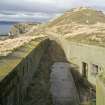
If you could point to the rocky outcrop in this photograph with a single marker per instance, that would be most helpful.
(20, 28)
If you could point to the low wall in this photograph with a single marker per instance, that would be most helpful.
(100, 93)
(17, 70)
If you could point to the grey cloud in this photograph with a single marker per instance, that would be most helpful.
(38, 10)
(25, 16)
(33, 7)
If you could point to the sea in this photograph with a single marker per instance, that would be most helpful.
(5, 28)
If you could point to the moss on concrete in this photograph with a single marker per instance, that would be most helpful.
(39, 88)
(8, 63)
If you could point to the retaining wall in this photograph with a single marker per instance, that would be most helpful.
(17, 70)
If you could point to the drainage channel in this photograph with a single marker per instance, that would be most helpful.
(63, 88)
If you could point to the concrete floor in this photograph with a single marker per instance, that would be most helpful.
(62, 85)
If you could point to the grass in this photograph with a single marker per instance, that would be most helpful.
(80, 17)
(87, 39)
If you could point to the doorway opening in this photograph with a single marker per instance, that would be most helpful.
(84, 70)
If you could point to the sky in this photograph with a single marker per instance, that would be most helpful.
(41, 10)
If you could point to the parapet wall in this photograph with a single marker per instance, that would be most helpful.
(17, 70)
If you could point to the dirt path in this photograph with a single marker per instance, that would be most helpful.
(62, 85)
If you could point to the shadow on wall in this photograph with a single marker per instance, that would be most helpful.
(80, 78)
(61, 82)
(38, 92)
(56, 52)
(34, 71)
(86, 91)
(39, 89)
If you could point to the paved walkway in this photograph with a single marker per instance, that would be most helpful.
(62, 85)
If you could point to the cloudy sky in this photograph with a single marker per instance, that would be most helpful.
(41, 10)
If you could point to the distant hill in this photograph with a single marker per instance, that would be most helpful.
(16, 22)
(81, 16)
(83, 25)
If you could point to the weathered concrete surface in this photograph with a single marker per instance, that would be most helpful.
(21, 66)
(77, 53)
(17, 70)
(62, 85)
(91, 55)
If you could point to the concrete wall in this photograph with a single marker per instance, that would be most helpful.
(17, 70)
(92, 55)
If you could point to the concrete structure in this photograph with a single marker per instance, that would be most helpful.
(90, 63)
(17, 70)
(89, 59)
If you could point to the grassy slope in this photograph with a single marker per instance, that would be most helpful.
(80, 16)
(76, 20)
(86, 39)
